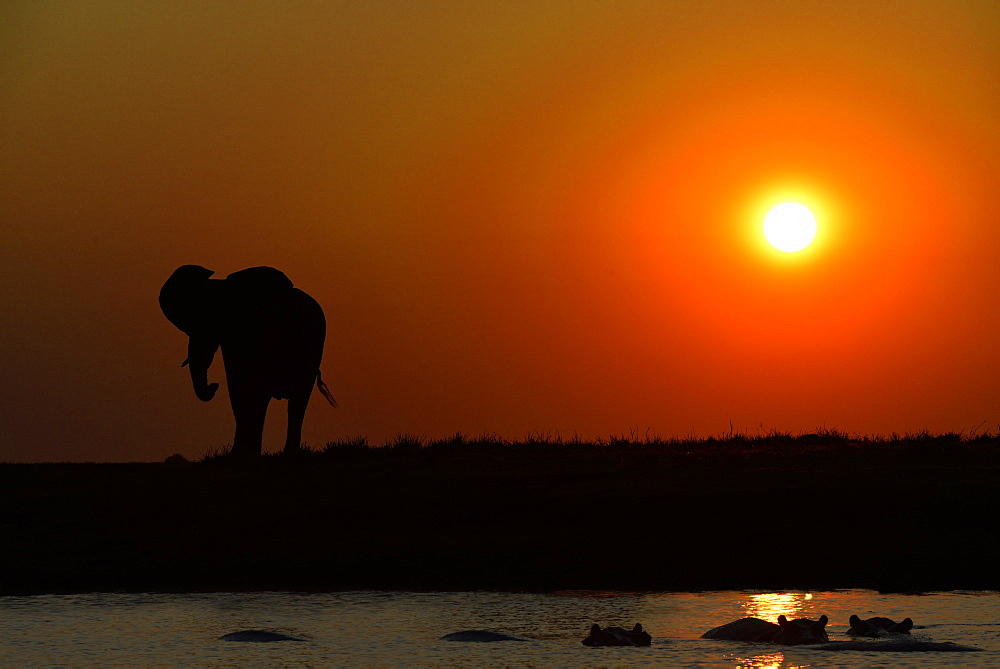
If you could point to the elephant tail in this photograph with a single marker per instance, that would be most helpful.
(324, 389)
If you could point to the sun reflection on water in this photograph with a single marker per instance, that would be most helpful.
(770, 605)
(766, 661)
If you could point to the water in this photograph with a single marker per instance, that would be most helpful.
(404, 628)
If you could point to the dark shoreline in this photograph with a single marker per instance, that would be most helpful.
(807, 513)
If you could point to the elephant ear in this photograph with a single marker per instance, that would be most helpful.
(193, 272)
(183, 278)
(261, 278)
(181, 295)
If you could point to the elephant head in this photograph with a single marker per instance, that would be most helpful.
(187, 301)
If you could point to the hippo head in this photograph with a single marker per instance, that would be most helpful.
(616, 636)
(640, 636)
(878, 626)
(802, 630)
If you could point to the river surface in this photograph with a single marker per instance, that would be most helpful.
(368, 628)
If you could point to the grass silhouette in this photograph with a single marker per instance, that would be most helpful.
(728, 444)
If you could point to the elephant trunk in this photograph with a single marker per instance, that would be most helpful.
(201, 352)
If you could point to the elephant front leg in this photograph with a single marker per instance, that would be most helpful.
(249, 409)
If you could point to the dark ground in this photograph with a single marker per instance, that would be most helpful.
(785, 513)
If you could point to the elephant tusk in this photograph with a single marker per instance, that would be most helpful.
(186, 360)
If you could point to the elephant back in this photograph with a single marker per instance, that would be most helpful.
(260, 279)
(273, 333)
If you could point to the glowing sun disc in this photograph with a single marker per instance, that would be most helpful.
(789, 227)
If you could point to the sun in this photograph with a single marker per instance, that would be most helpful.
(790, 227)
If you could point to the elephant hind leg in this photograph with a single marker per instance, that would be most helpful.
(297, 404)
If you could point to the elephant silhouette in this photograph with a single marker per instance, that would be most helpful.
(271, 335)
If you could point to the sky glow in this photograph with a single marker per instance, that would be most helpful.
(519, 217)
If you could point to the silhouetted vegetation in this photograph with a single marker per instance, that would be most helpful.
(637, 512)
(731, 444)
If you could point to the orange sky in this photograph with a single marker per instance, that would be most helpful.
(519, 217)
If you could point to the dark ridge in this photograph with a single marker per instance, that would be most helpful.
(819, 511)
